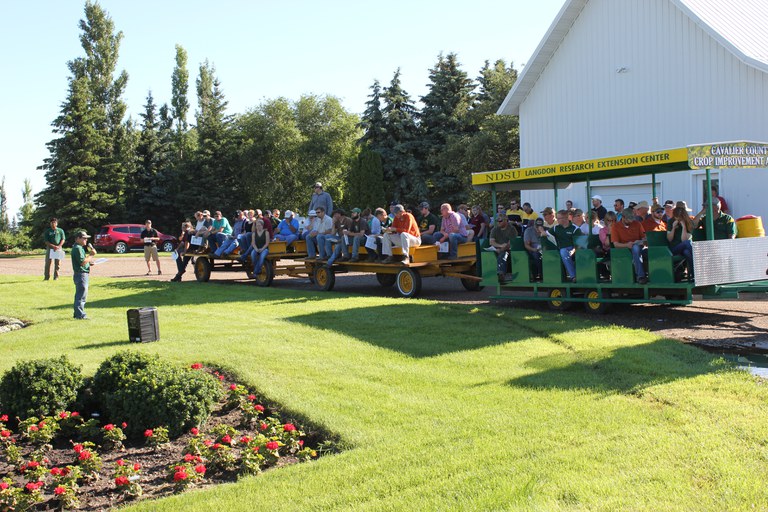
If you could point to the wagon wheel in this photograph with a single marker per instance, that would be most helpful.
(267, 274)
(597, 308)
(555, 304)
(324, 278)
(408, 283)
(386, 279)
(202, 269)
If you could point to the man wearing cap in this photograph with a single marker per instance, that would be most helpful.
(627, 233)
(357, 233)
(669, 207)
(288, 229)
(203, 228)
(641, 211)
(54, 239)
(237, 232)
(306, 226)
(655, 221)
(323, 225)
(533, 245)
(597, 207)
(221, 230)
(549, 217)
(501, 241)
(404, 233)
(81, 265)
(150, 237)
(452, 230)
(723, 224)
(565, 235)
(428, 224)
(320, 199)
(334, 243)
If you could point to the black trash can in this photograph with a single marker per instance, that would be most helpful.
(143, 325)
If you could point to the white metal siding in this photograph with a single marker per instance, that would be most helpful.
(681, 87)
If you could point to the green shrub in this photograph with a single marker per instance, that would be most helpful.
(115, 371)
(42, 387)
(163, 394)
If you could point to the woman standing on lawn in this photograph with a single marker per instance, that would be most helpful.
(260, 245)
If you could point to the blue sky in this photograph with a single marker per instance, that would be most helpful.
(260, 50)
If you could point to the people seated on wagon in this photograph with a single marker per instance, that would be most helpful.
(323, 225)
(629, 234)
(334, 242)
(220, 232)
(669, 206)
(618, 207)
(452, 230)
(549, 217)
(479, 223)
(501, 241)
(724, 225)
(528, 214)
(597, 206)
(641, 211)
(564, 234)
(288, 229)
(655, 222)
(428, 224)
(579, 221)
(259, 246)
(532, 244)
(404, 233)
(230, 244)
(463, 211)
(595, 223)
(377, 230)
(679, 233)
(723, 204)
(604, 249)
(357, 233)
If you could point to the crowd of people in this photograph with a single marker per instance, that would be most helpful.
(624, 227)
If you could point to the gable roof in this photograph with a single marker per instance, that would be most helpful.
(738, 25)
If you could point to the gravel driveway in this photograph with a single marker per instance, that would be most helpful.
(733, 324)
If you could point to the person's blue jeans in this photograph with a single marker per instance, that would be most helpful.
(501, 261)
(258, 260)
(312, 244)
(323, 247)
(637, 253)
(686, 250)
(356, 243)
(227, 247)
(454, 239)
(288, 239)
(570, 266)
(216, 240)
(81, 293)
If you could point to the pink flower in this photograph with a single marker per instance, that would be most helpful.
(251, 397)
(64, 415)
(221, 377)
(109, 426)
(136, 466)
(3, 486)
(301, 442)
(33, 428)
(5, 433)
(208, 442)
(194, 431)
(4, 418)
(149, 433)
(121, 481)
(123, 424)
(272, 445)
(200, 469)
(120, 462)
(259, 407)
(226, 439)
(197, 366)
(75, 414)
(233, 387)
(58, 491)
(289, 427)
(179, 476)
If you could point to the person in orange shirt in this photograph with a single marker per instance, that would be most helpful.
(628, 233)
(656, 221)
(404, 232)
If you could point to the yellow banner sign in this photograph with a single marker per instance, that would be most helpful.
(728, 155)
(600, 165)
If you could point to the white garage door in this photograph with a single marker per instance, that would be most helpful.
(628, 193)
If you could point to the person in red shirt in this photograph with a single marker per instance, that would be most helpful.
(628, 233)
(656, 221)
(404, 232)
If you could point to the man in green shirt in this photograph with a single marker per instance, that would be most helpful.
(220, 231)
(564, 234)
(428, 224)
(81, 266)
(54, 239)
(501, 241)
(723, 224)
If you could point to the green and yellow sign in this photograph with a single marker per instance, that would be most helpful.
(728, 155)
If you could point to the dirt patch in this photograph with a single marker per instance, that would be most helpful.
(8, 324)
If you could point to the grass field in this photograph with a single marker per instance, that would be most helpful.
(440, 407)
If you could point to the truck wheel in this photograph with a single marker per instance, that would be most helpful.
(408, 283)
(554, 303)
(202, 269)
(264, 278)
(324, 278)
(596, 308)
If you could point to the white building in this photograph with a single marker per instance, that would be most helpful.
(615, 77)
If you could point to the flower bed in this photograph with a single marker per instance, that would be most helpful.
(63, 461)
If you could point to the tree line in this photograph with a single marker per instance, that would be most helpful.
(105, 168)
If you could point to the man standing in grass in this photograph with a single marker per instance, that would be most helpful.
(54, 239)
(81, 265)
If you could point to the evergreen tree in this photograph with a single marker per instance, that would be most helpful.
(443, 120)
(85, 171)
(180, 104)
(399, 145)
(5, 223)
(372, 121)
(366, 181)
(27, 210)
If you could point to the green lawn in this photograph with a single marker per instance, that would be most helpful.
(441, 407)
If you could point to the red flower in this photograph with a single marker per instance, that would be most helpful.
(221, 377)
(33, 486)
(251, 397)
(301, 442)
(56, 471)
(197, 366)
(200, 469)
(289, 427)
(226, 439)
(256, 448)
(4, 417)
(245, 440)
(75, 414)
(121, 481)
(136, 466)
(188, 457)
(272, 445)
(194, 431)
(41, 424)
(3, 486)
(78, 448)
(123, 424)
(33, 428)
(58, 491)
(109, 427)
(5, 433)
(84, 455)
(179, 476)
(259, 407)
(120, 462)
(33, 464)
(208, 442)
(63, 415)
(149, 433)
(64, 471)
(216, 446)
(263, 426)
(233, 387)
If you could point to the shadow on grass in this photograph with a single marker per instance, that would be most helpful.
(92, 346)
(425, 330)
(626, 370)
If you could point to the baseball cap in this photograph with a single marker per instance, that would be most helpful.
(599, 198)
(82, 234)
(424, 204)
(312, 213)
(538, 222)
(318, 184)
(206, 212)
(642, 204)
(547, 210)
(288, 214)
(356, 210)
